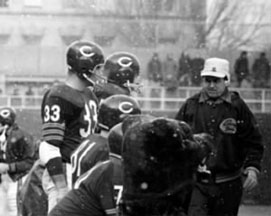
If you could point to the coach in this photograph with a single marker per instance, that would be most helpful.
(235, 164)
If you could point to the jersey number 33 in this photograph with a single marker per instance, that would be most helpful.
(52, 113)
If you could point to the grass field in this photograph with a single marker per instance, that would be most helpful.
(254, 210)
(245, 210)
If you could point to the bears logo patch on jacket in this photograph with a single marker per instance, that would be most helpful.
(228, 126)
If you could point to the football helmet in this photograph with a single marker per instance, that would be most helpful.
(122, 69)
(7, 116)
(115, 108)
(7, 119)
(115, 137)
(85, 59)
(158, 152)
(134, 120)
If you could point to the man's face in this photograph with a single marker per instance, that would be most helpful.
(213, 86)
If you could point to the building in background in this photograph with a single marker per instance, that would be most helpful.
(34, 34)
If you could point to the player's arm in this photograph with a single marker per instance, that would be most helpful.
(53, 127)
(50, 156)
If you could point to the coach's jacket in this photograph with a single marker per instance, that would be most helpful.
(236, 134)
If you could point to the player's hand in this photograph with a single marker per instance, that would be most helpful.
(3, 168)
(251, 180)
(61, 192)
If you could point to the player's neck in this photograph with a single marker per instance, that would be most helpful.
(74, 82)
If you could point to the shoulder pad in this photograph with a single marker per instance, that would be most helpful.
(63, 91)
(69, 94)
(102, 141)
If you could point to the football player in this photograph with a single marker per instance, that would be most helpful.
(96, 192)
(115, 139)
(112, 111)
(69, 114)
(121, 70)
(17, 155)
(160, 159)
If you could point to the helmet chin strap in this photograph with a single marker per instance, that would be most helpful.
(136, 87)
(101, 79)
(89, 80)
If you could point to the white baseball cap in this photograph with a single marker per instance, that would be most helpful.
(216, 67)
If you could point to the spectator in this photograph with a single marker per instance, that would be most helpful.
(170, 70)
(261, 71)
(16, 91)
(184, 75)
(241, 68)
(154, 69)
(30, 101)
(29, 91)
(238, 147)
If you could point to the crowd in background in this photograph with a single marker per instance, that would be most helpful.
(171, 73)
(185, 71)
(259, 74)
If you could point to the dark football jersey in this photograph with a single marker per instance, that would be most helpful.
(92, 150)
(68, 116)
(93, 193)
(117, 177)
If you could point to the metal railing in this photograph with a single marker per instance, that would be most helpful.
(156, 99)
